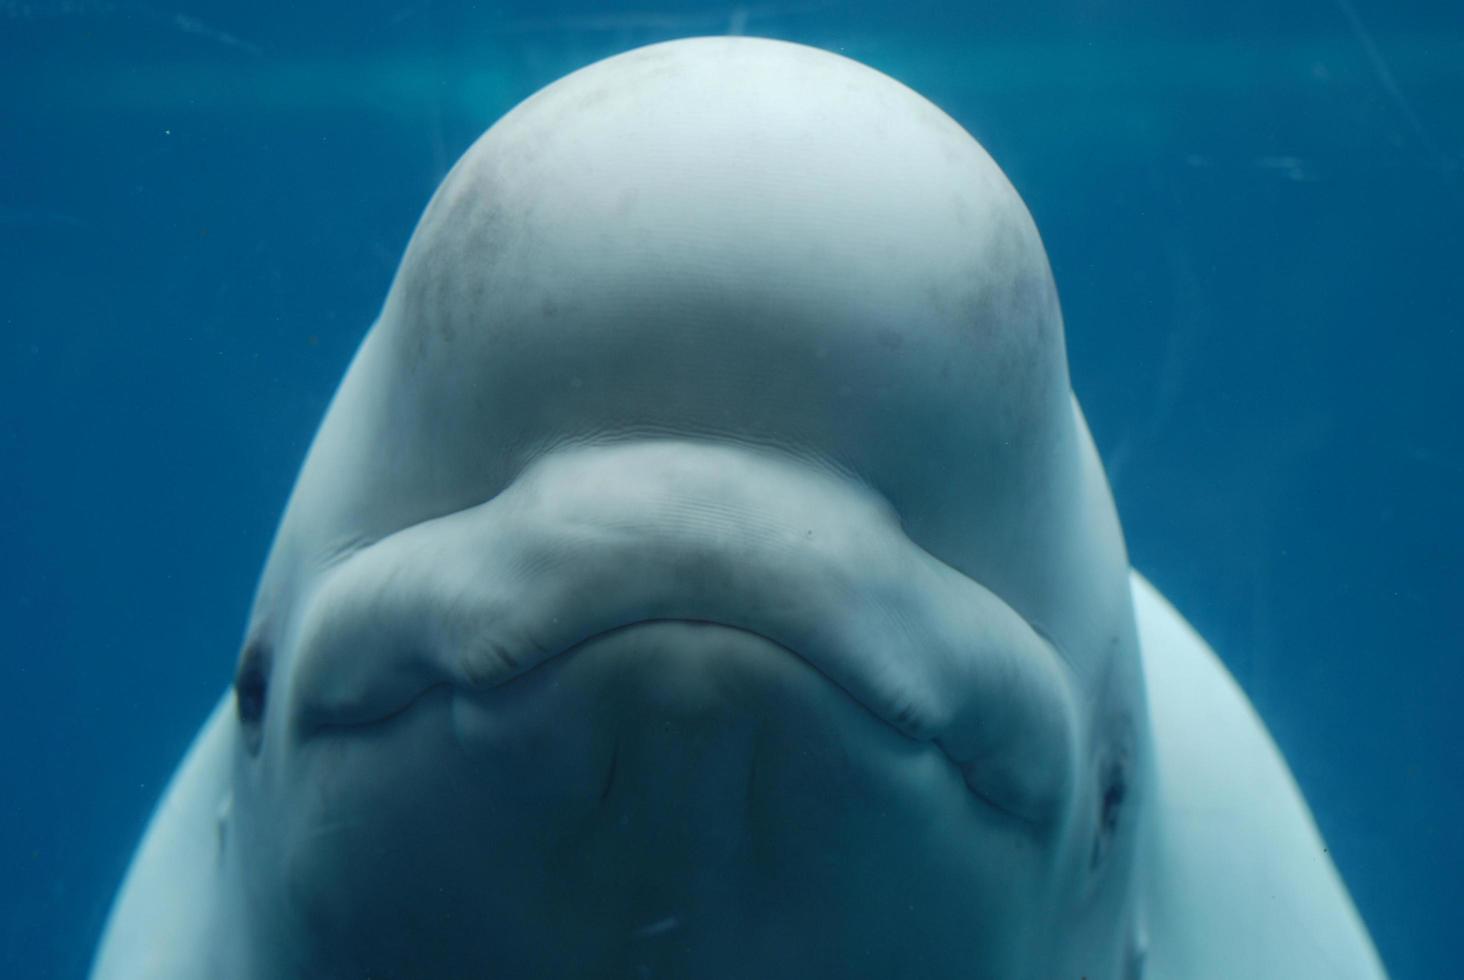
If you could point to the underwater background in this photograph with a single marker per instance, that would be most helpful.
(1255, 215)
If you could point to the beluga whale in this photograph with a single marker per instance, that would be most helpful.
(704, 570)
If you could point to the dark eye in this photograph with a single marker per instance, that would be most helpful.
(251, 692)
(1113, 790)
(1113, 795)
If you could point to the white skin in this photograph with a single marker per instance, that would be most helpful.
(703, 571)
(781, 381)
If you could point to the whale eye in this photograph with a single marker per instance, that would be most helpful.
(1113, 791)
(251, 691)
(1113, 795)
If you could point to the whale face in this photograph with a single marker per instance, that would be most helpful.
(703, 569)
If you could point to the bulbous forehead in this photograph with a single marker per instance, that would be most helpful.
(751, 214)
(741, 240)
(787, 171)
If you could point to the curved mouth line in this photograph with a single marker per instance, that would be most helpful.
(329, 726)
(348, 728)
(326, 728)
(598, 539)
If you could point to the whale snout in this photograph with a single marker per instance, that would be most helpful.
(591, 542)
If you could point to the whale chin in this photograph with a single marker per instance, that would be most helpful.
(682, 789)
(617, 713)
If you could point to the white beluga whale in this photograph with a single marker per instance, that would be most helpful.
(704, 571)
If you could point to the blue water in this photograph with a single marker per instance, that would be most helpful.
(1255, 213)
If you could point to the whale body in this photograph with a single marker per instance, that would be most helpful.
(704, 570)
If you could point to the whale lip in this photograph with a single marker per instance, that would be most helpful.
(602, 539)
(324, 727)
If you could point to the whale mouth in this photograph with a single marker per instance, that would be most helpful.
(594, 540)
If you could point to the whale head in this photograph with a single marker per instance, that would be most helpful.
(703, 569)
